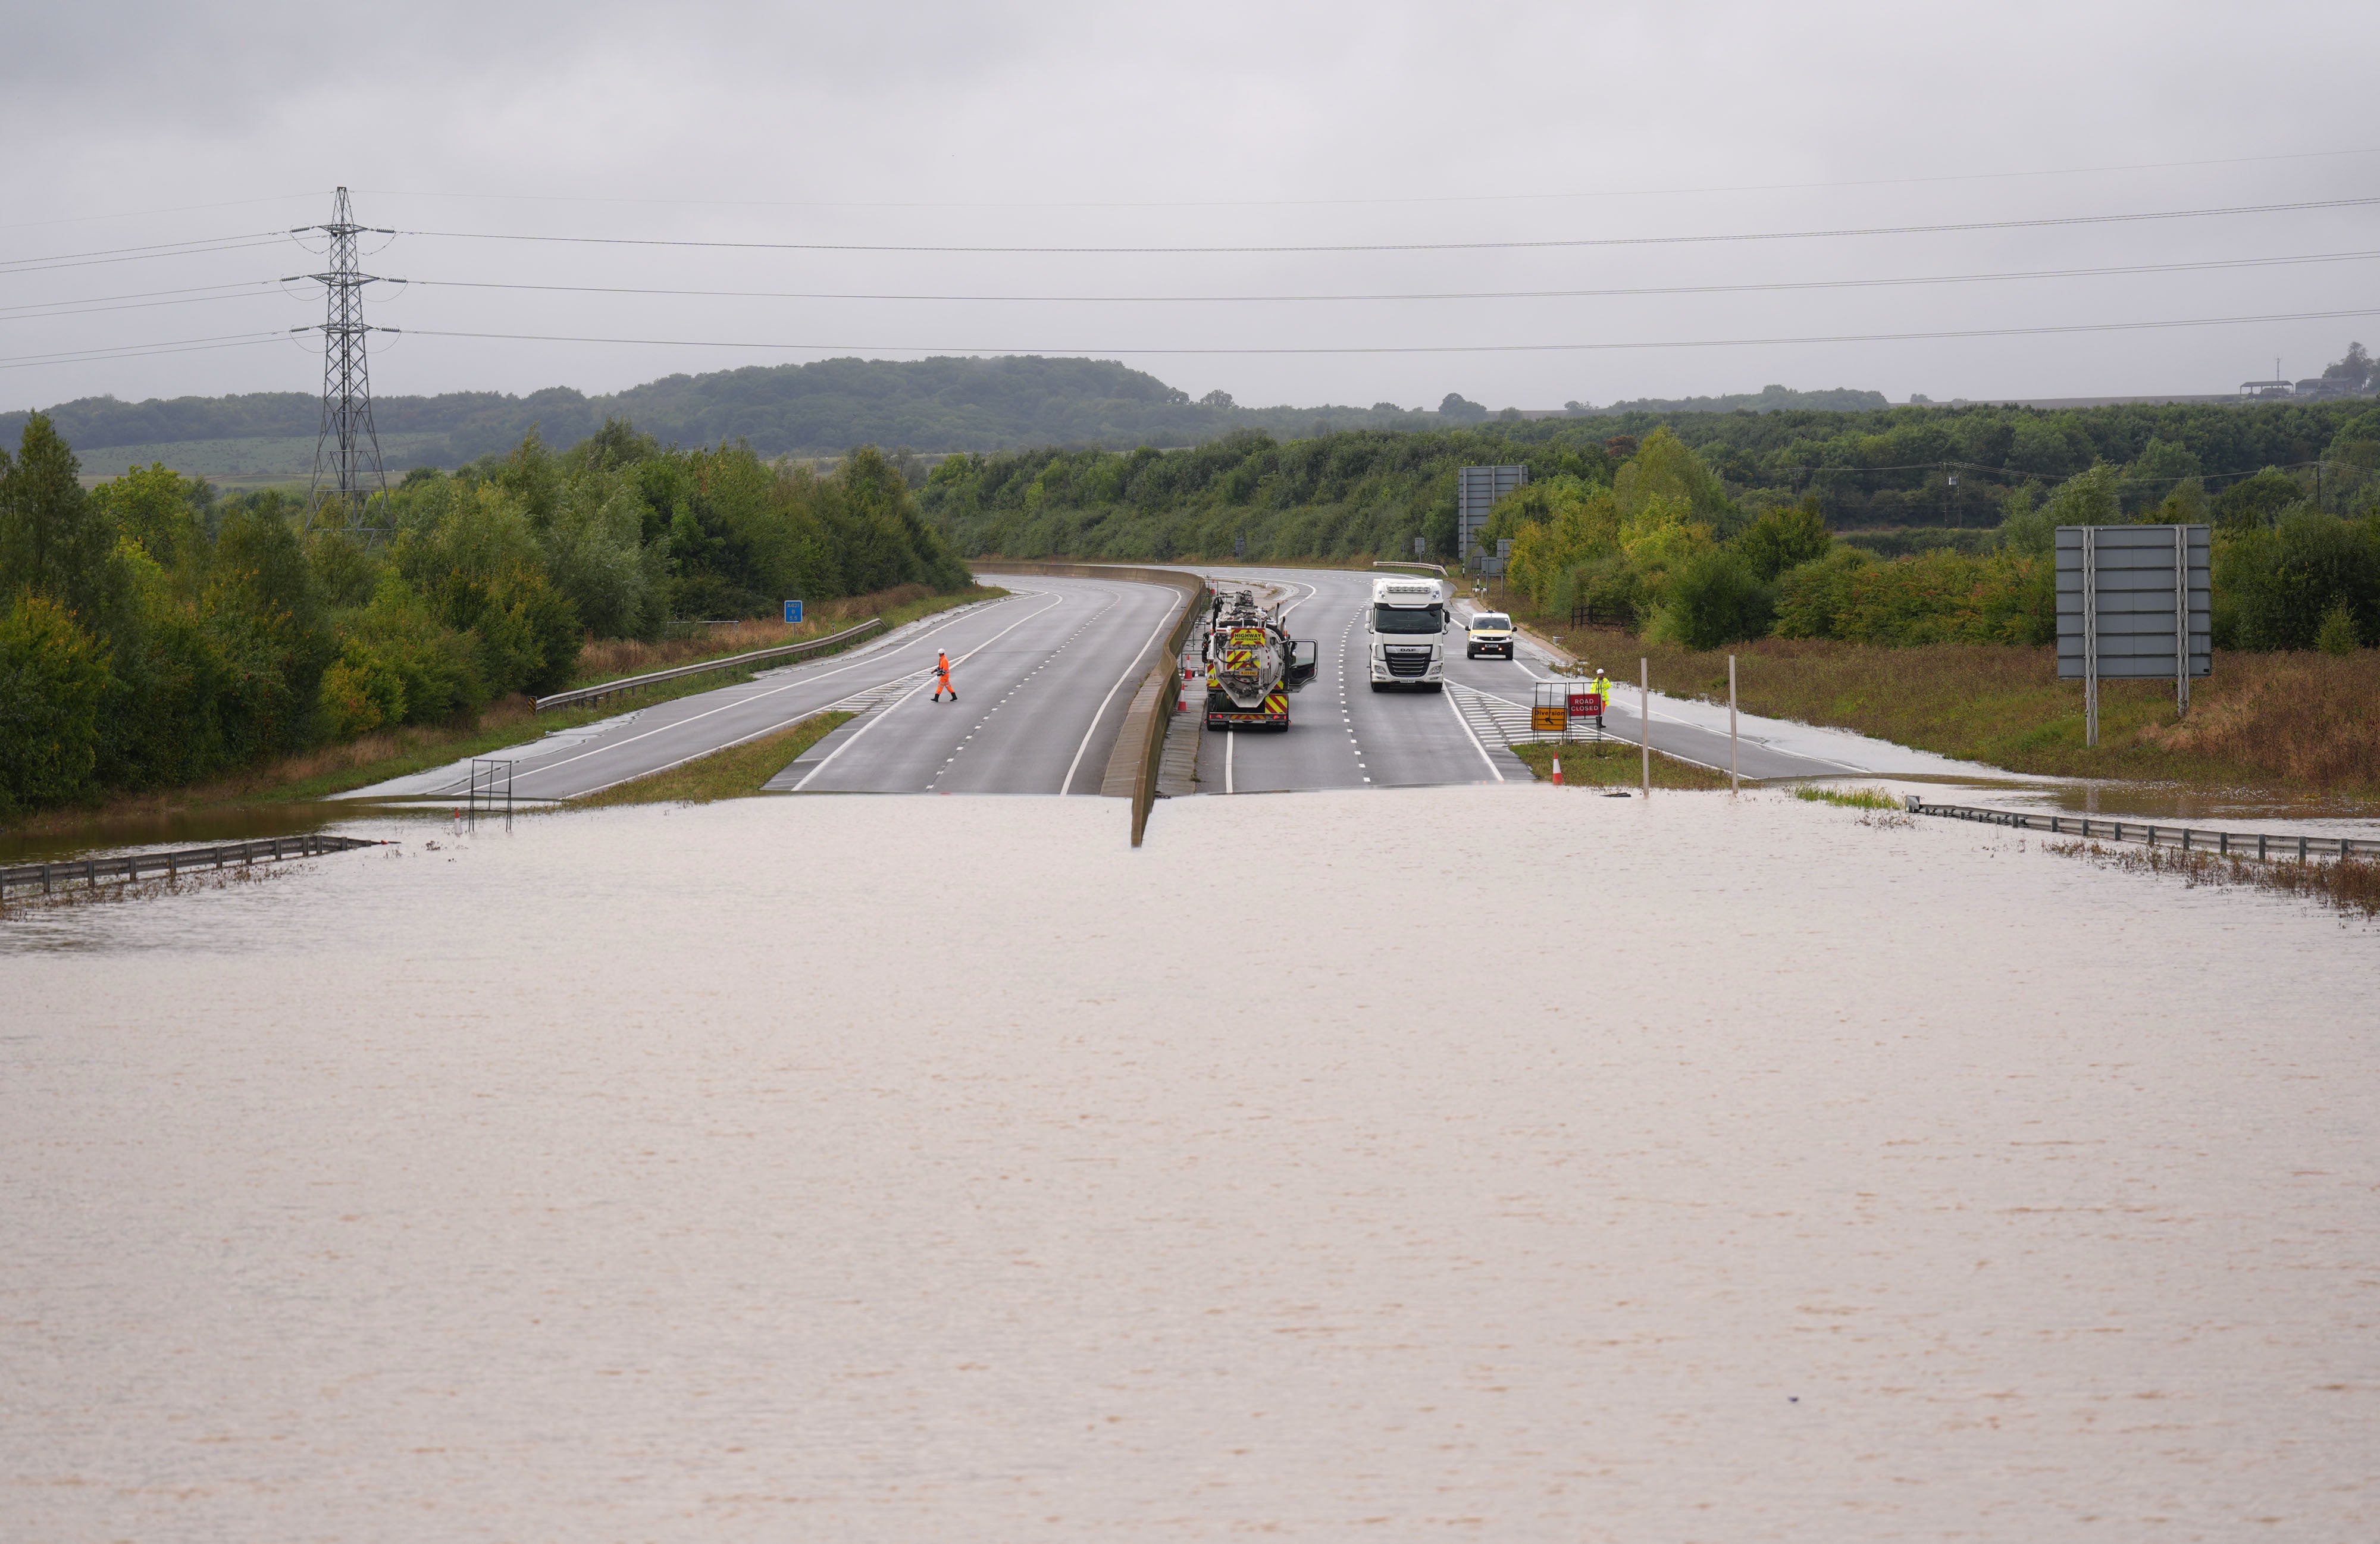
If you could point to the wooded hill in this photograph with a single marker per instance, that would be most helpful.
(822, 408)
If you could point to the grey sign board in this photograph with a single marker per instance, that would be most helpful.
(1476, 489)
(2134, 604)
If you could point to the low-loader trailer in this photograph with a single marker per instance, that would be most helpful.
(1252, 665)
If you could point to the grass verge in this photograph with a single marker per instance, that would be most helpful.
(611, 659)
(2293, 723)
(735, 772)
(2348, 884)
(1611, 765)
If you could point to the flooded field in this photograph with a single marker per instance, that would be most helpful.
(1513, 1162)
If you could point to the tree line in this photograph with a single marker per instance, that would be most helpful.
(1664, 548)
(1653, 532)
(154, 633)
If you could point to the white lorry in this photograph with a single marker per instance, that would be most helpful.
(1408, 626)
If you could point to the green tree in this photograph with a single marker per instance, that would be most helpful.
(2257, 501)
(1715, 597)
(2088, 498)
(1785, 537)
(54, 539)
(53, 678)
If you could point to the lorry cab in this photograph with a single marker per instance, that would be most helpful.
(1490, 633)
(1407, 627)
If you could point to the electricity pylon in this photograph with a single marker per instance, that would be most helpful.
(348, 470)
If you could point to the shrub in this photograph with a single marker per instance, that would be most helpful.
(1715, 597)
(362, 691)
(2336, 634)
(1813, 598)
(1782, 538)
(2279, 585)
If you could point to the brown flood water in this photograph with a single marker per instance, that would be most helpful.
(1511, 1162)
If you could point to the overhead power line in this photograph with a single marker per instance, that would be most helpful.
(198, 290)
(30, 266)
(144, 350)
(2210, 264)
(1415, 348)
(1404, 199)
(144, 214)
(254, 290)
(164, 247)
(2044, 222)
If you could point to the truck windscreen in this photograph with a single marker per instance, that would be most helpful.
(1407, 619)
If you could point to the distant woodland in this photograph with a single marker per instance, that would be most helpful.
(822, 408)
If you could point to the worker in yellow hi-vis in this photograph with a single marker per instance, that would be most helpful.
(1602, 695)
(942, 676)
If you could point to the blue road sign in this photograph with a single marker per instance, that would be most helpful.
(792, 612)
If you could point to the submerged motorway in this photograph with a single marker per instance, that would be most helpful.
(1045, 676)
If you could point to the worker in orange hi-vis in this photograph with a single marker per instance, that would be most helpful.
(942, 676)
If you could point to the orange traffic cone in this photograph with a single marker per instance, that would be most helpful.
(1557, 782)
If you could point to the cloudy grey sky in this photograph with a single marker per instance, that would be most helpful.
(1277, 125)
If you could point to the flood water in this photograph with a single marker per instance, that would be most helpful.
(1511, 1162)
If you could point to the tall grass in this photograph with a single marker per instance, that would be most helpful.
(2348, 885)
(1847, 798)
(2293, 721)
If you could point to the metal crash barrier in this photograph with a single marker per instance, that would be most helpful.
(2232, 844)
(733, 662)
(50, 877)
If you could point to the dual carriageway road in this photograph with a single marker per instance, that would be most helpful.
(1045, 676)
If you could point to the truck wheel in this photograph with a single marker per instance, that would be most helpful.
(1436, 686)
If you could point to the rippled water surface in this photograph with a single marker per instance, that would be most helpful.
(1513, 1162)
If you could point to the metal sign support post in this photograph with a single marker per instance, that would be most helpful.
(2182, 621)
(1645, 717)
(1735, 783)
(2091, 635)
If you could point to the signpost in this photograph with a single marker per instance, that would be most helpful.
(2134, 602)
(792, 614)
(1644, 718)
(1549, 710)
(1476, 489)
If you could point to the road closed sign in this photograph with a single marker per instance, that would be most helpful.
(1586, 704)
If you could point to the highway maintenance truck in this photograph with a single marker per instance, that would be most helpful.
(1252, 664)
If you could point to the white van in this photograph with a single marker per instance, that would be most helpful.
(1408, 624)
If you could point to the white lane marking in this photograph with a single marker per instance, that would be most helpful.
(1068, 785)
(791, 686)
(886, 712)
(1473, 736)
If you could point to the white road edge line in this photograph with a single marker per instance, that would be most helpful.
(886, 712)
(1067, 786)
